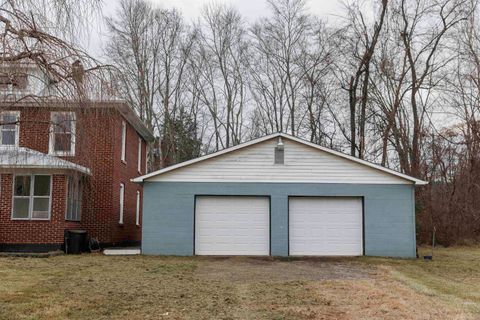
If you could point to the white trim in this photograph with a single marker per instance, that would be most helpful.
(139, 160)
(146, 157)
(122, 200)
(285, 136)
(51, 140)
(31, 197)
(124, 141)
(121, 251)
(137, 212)
(17, 129)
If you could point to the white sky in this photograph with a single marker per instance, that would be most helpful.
(250, 9)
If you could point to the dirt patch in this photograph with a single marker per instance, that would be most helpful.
(243, 269)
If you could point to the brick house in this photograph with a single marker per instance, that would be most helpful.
(68, 165)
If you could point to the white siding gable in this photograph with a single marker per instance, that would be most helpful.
(255, 163)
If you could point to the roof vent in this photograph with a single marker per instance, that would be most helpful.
(279, 152)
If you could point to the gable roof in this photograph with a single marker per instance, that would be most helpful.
(288, 137)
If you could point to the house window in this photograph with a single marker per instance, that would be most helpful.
(9, 128)
(13, 82)
(31, 197)
(146, 158)
(124, 139)
(62, 134)
(137, 212)
(122, 197)
(74, 199)
(139, 163)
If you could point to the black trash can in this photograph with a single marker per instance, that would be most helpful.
(76, 241)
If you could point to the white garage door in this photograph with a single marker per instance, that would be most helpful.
(232, 225)
(325, 226)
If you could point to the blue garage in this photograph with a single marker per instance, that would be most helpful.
(280, 196)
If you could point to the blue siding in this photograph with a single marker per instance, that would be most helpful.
(168, 214)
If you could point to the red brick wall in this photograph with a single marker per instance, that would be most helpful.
(98, 147)
(127, 170)
(33, 231)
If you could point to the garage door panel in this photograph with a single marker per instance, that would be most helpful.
(227, 225)
(325, 226)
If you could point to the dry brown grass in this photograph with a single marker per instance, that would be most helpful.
(101, 287)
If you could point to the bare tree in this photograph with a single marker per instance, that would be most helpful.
(316, 64)
(34, 32)
(223, 52)
(450, 203)
(361, 38)
(151, 49)
(423, 51)
(133, 49)
(279, 42)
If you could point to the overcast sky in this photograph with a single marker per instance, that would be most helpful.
(250, 9)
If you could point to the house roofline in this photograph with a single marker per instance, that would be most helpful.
(286, 136)
(120, 105)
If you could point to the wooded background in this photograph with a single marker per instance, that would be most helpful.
(394, 82)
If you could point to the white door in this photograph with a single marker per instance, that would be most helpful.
(229, 225)
(325, 226)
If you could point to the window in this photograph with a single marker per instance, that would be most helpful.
(62, 134)
(122, 196)
(137, 212)
(9, 128)
(146, 158)
(139, 165)
(31, 197)
(74, 199)
(13, 82)
(124, 139)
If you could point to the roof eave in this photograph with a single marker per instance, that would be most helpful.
(121, 105)
(421, 182)
(135, 121)
(81, 170)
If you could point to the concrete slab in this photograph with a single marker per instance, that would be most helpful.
(130, 251)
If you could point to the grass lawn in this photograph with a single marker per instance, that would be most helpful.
(142, 287)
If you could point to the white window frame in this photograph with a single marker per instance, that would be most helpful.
(124, 141)
(122, 202)
(139, 162)
(146, 158)
(51, 144)
(137, 212)
(17, 128)
(78, 181)
(31, 197)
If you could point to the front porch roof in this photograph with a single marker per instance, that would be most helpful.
(25, 158)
